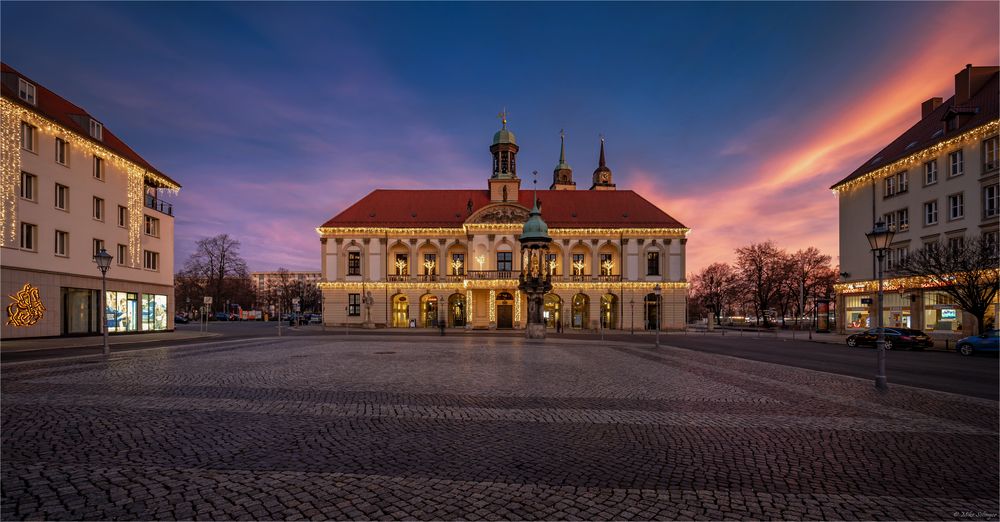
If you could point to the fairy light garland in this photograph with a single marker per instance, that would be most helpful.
(10, 176)
(897, 283)
(468, 306)
(517, 306)
(12, 116)
(482, 228)
(501, 284)
(919, 157)
(493, 306)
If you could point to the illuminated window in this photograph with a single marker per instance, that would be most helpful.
(353, 305)
(354, 263)
(903, 218)
(552, 260)
(458, 264)
(430, 264)
(606, 264)
(902, 182)
(402, 264)
(578, 264)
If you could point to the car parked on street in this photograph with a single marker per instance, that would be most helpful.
(316, 319)
(221, 316)
(895, 338)
(989, 342)
(180, 319)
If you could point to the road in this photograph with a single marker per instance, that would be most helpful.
(942, 371)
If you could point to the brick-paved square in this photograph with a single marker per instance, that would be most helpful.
(480, 428)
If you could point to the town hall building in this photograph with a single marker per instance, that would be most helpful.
(412, 258)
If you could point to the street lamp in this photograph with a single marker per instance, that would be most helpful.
(657, 290)
(632, 327)
(879, 239)
(103, 259)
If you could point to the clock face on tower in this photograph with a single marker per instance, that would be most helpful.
(604, 177)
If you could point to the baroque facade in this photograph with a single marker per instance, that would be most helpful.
(411, 258)
(935, 183)
(71, 187)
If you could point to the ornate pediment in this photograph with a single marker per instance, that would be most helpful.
(503, 213)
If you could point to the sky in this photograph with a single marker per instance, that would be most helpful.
(734, 118)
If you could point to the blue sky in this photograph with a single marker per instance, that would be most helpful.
(274, 117)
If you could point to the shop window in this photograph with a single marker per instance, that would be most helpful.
(154, 312)
(122, 311)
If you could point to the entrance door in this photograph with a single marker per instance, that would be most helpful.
(505, 316)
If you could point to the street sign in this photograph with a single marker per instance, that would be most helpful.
(208, 300)
(297, 308)
(295, 300)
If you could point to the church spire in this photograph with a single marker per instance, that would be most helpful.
(562, 176)
(602, 175)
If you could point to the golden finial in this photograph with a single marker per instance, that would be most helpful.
(503, 116)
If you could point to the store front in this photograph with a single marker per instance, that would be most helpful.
(80, 311)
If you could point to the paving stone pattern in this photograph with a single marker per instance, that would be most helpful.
(490, 429)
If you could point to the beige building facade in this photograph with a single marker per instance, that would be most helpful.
(412, 258)
(69, 188)
(936, 183)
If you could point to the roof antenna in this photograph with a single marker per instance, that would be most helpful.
(534, 182)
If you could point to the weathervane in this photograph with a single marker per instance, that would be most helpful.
(503, 116)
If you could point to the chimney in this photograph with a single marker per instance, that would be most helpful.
(928, 107)
(962, 85)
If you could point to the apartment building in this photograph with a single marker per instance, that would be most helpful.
(935, 183)
(71, 187)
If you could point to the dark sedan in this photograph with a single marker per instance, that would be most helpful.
(894, 338)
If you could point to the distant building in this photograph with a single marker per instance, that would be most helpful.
(69, 188)
(261, 280)
(425, 256)
(938, 181)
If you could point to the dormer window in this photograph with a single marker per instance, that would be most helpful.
(96, 130)
(26, 91)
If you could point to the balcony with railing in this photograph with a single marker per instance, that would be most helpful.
(159, 205)
(492, 274)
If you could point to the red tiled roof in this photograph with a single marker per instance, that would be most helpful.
(60, 110)
(925, 133)
(449, 208)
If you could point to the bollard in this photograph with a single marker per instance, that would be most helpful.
(946, 347)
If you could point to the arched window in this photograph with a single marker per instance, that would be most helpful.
(609, 311)
(652, 308)
(552, 311)
(581, 311)
(400, 311)
(456, 310)
(428, 310)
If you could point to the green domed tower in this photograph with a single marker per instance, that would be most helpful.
(504, 183)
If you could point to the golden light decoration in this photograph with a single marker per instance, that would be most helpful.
(500, 284)
(26, 307)
(480, 260)
(493, 306)
(896, 283)
(456, 266)
(468, 305)
(934, 151)
(10, 175)
(400, 267)
(552, 266)
(608, 266)
(12, 116)
(517, 306)
(579, 265)
(511, 228)
(428, 267)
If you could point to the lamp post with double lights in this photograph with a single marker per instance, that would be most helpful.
(879, 239)
(103, 260)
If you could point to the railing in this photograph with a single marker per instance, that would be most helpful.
(586, 278)
(159, 205)
(492, 274)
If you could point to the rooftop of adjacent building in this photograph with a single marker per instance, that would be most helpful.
(974, 104)
(68, 115)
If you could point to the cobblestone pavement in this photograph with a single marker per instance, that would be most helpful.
(494, 429)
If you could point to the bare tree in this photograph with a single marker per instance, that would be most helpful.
(759, 267)
(967, 272)
(715, 287)
(808, 272)
(217, 264)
